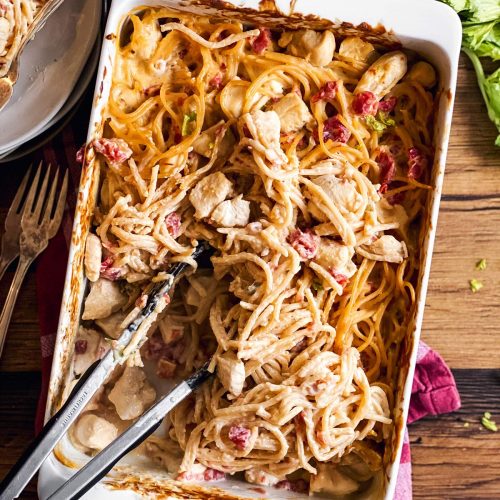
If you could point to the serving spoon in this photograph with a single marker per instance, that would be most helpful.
(90, 382)
(8, 81)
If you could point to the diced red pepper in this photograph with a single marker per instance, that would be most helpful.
(173, 222)
(216, 81)
(340, 278)
(306, 243)
(81, 346)
(298, 486)
(387, 170)
(387, 105)
(397, 199)
(326, 93)
(108, 271)
(262, 41)
(114, 150)
(213, 475)
(80, 154)
(365, 103)
(335, 130)
(154, 348)
(240, 436)
(417, 163)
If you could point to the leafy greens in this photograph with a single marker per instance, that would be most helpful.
(481, 38)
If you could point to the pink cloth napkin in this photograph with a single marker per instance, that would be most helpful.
(434, 390)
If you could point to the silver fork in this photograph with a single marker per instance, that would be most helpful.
(10, 239)
(38, 226)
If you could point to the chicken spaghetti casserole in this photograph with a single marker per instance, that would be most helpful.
(304, 159)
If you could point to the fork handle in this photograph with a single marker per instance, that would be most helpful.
(22, 267)
(4, 264)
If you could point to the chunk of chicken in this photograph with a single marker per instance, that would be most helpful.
(386, 249)
(170, 330)
(423, 73)
(4, 33)
(357, 49)
(336, 257)
(264, 127)
(128, 99)
(146, 39)
(232, 213)
(104, 299)
(292, 112)
(165, 368)
(204, 143)
(89, 347)
(331, 481)
(93, 257)
(231, 372)
(387, 213)
(132, 394)
(232, 98)
(209, 192)
(381, 77)
(316, 47)
(111, 324)
(94, 432)
(342, 192)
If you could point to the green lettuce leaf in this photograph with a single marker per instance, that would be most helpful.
(457, 5)
(483, 10)
(490, 88)
(483, 38)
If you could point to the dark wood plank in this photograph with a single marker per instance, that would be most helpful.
(454, 456)
(18, 401)
(22, 347)
(459, 324)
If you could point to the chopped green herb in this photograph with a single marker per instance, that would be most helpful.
(386, 119)
(475, 285)
(317, 286)
(380, 122)
(488, 423)
(481, 265)
(186, 123)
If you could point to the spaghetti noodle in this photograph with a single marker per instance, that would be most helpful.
(305, 163)
(16, 16)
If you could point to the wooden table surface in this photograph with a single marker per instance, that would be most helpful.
(451, 459)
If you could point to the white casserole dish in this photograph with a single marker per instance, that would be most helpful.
(428, 27)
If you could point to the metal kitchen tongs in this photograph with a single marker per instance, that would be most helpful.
(88, 384)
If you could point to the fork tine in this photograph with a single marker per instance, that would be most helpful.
(49, 202)
(16, 203)
(42, 195)
(48, 208)
(28, 204)
(61, 203)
